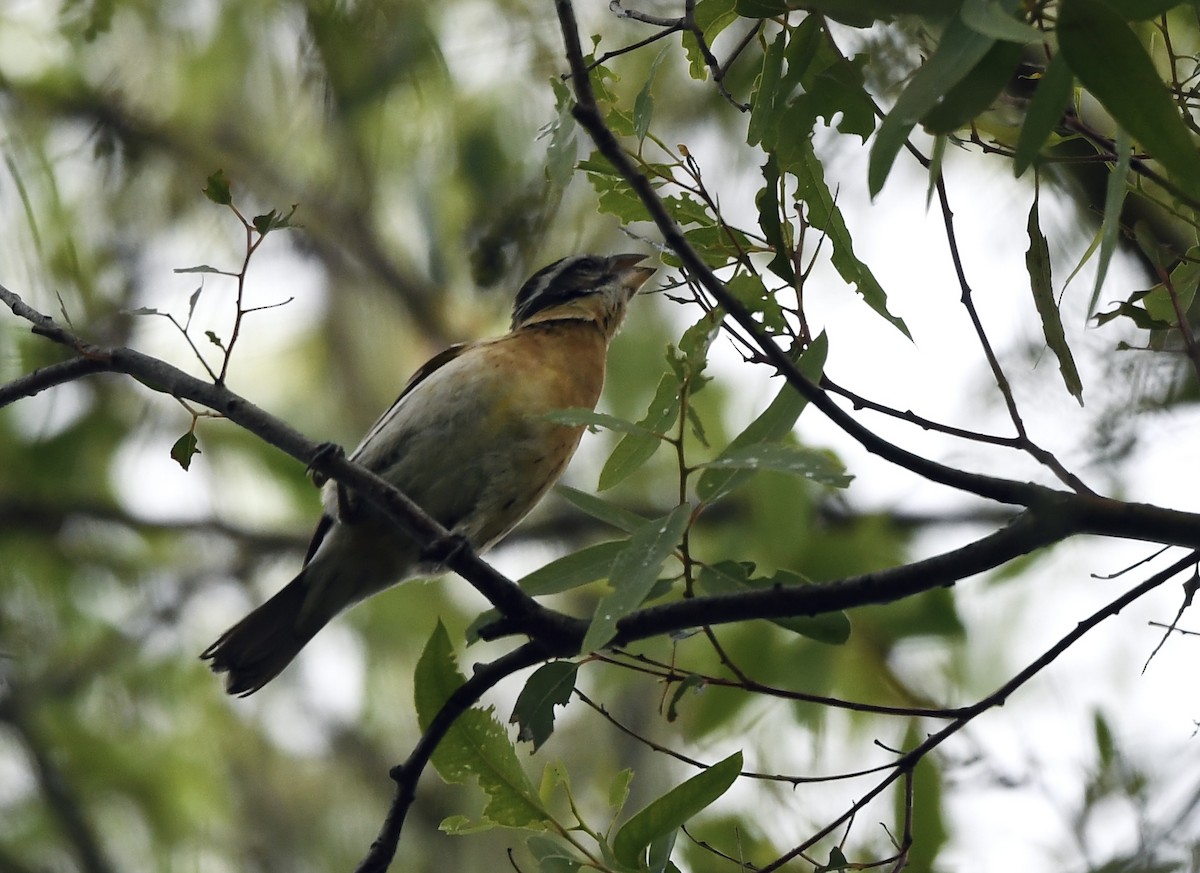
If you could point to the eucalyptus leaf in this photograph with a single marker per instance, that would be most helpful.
(634, 573)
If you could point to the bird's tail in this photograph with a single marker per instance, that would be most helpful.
(256, 649)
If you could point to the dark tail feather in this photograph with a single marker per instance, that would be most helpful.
(256, 649)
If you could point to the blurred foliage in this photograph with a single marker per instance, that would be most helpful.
(428, 150)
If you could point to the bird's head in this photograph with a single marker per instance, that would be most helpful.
(581, 288)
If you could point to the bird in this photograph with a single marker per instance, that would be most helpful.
(468, 439)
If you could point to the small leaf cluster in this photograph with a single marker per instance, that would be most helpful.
(477, 747)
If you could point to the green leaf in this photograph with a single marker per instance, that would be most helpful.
(1045, 111)
(1114, 202)
(570, 571)
(1158, 303)
(689, 361)
(959, 51)
(1142, 10)
(216, 188)
(635, 449)
(837, 862)
(801, 161)
(615, 197)
(671, 811)
(562, 148)
(203, 268)
(813, 464)
(658, 854)
(976, 91)
(1136, 314)
(476, 745)
(712, 17)
(576, 416)
(184, 449)
(733, 577)
(273, 220)
(643, 104)
(753, 294)
(618, 792)
(691, 683)
(601, 509)
(772, 425)
(1037, 262)
(634, 573)
(762, 8)
(767, 201)
(995, 18)
(686, 210)
(551, 856)
(1109, 60)
(192, 301)
(766, 102)
(549, 686)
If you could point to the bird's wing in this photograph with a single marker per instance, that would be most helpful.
(424, 372)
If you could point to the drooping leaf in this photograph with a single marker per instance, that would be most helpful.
(476, 745)
(689, 361)
(562, 149)
(766, 101)
(767, 201)
(618, 792)
(812, 464)
(643, 104)
(1109, 60)
(217, 188)
(551, 856)
(823, 213)
(549, 686)
(1037, 262)
(976, 91)
(635, 449)
(202, 268)
(1114, 201)
(601, 509)
(712, 17)
(732, 577)
(570, 571)
(579, 416)
(634, 573)
(820, 82)
(184, 449)
(671, 811)
(959, 50)
(1045, 111)
(771, 425)
(1142, 10)
(995, 18)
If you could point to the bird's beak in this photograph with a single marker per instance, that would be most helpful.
(632, 276)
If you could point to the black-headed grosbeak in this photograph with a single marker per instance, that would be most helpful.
(467, 439)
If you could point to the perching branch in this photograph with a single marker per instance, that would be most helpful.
(526, 613)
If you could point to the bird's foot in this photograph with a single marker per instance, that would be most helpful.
(445, 549)
(349, 507)
(325, 452)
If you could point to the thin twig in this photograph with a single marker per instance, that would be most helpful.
(968, 301)
(912, 758)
